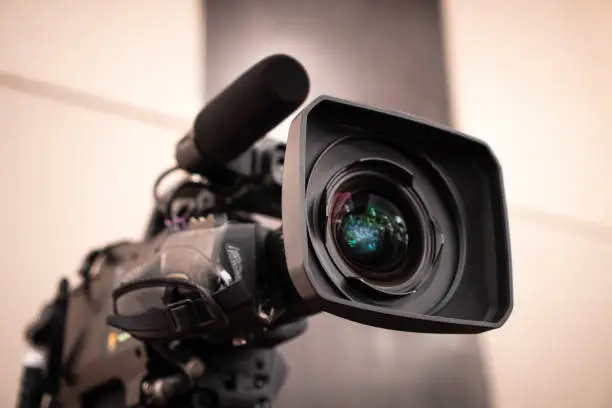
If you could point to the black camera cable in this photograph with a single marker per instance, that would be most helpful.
(32, 383)
(42, 363)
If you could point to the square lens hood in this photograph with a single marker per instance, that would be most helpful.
(465, 282)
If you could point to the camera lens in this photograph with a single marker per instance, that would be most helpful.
(376, 227)
(370, 230)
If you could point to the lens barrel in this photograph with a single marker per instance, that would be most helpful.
(377, 228)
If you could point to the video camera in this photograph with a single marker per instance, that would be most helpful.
(387, 220)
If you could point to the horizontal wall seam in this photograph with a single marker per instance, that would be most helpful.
(96, 103)
(159, 119)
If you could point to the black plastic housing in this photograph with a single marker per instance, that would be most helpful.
(469, 289)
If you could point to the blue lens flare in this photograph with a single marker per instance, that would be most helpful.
(371, 230)
(365, 233)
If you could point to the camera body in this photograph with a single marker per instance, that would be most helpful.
(395, 222)
(387, 220)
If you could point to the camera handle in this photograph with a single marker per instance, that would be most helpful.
(242, 379)
(231, 378)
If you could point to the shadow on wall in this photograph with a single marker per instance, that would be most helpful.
(384, 53)
(344, 364)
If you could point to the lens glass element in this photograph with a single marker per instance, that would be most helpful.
(370, 230)
(375, 228)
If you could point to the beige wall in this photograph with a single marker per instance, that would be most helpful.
(93, 96)
(532, 79)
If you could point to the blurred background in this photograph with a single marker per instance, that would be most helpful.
(94, 96)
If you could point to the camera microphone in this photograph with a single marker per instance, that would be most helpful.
(244, 112)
